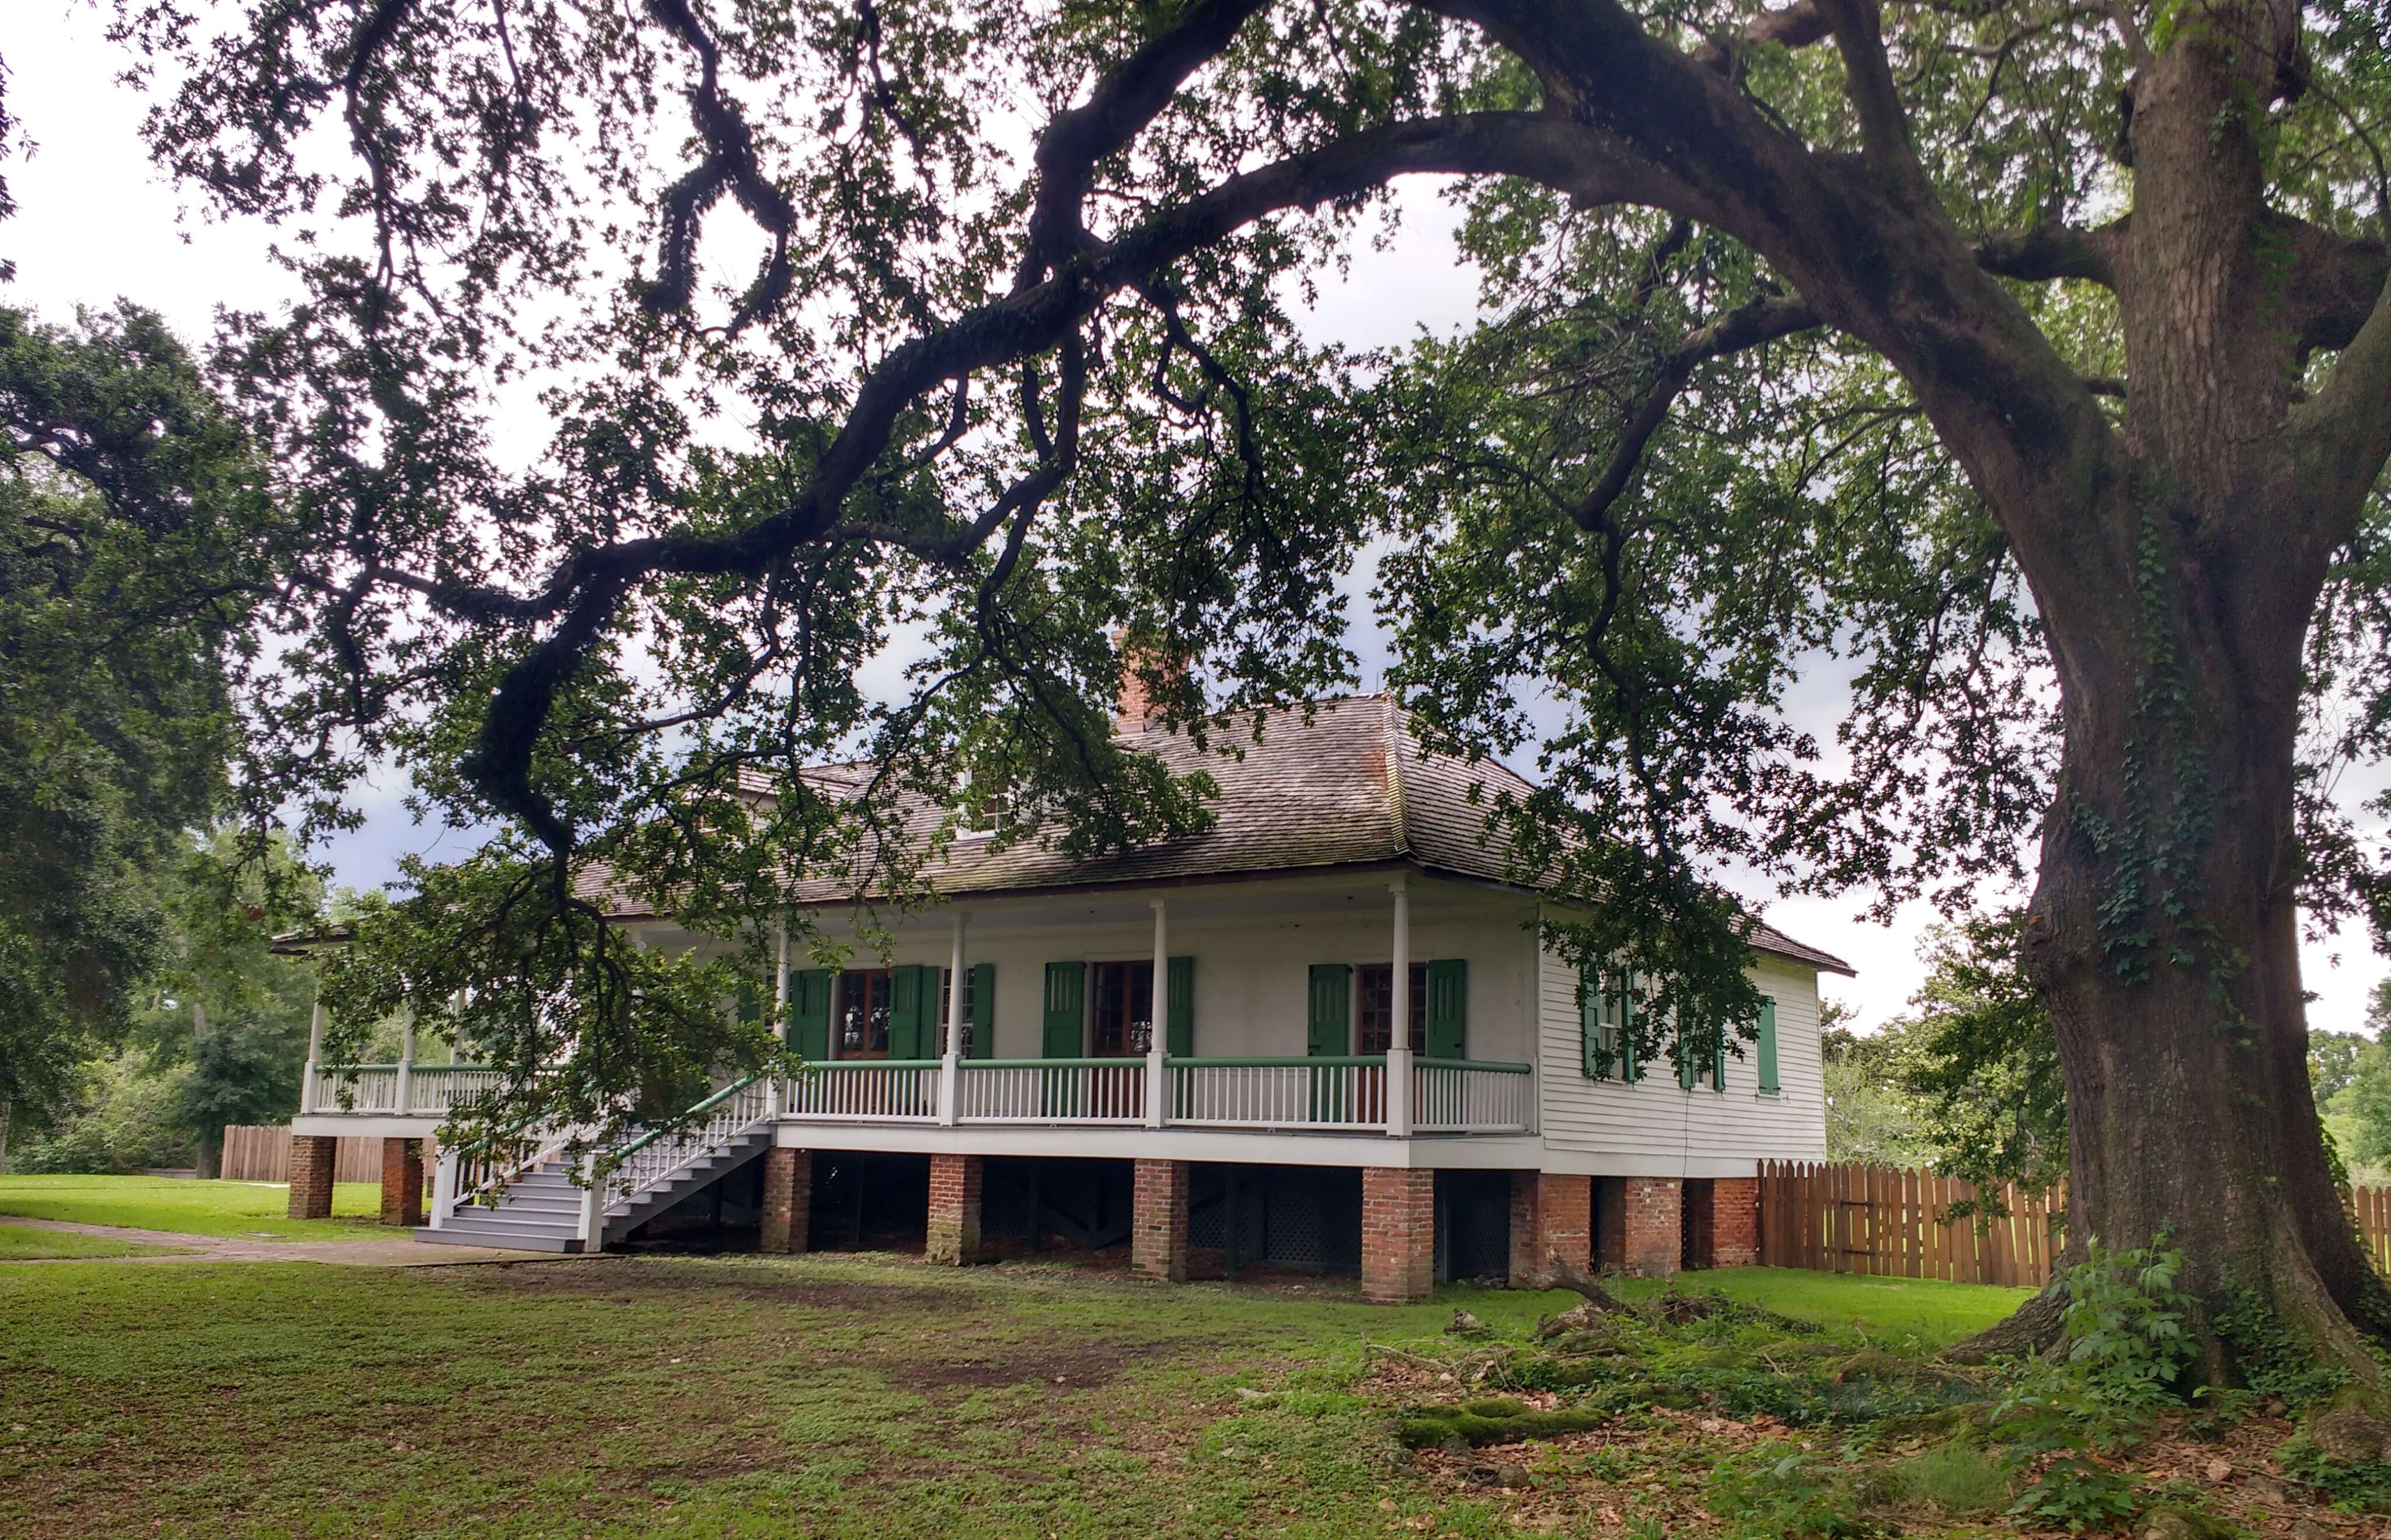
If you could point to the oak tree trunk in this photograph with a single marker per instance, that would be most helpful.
(2164, 936)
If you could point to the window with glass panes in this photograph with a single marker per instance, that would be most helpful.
(861, 1014)
(1120, 1016)
(1375, 1024)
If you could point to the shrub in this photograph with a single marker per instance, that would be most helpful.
(125, 1122)
(2123, 1324)
(2079, 1495)
(2354, 1486)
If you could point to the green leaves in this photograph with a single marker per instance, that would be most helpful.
(135, 538)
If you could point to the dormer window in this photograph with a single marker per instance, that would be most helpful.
(983, 812)
(986, 815)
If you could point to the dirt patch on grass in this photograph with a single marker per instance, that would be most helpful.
(623, 1279)
(1078, 1367)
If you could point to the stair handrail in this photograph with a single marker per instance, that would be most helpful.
(638, 1166)
(540, 1155)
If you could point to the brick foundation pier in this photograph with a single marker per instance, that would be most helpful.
(955, 1183)
(1157, 1244)
(788, 1201)
(311, 1175)
(1642, 1226)
(402, 1182)
(1551, 1216)
(1398, 1233)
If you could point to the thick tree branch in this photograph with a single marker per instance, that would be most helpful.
(729, 166)
(1762, 320)
(2346, 425)
(2053, 251)
(1868, 83)
(585, 592)
(1127, 98)
(2336, 282)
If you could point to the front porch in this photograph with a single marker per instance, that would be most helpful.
(1397, 1095)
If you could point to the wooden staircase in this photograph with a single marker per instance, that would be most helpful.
(541, 1207)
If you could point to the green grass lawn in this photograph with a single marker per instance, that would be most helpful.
(817, 1396)
(23, 1243)
(1884, 1312)
(190, 1208)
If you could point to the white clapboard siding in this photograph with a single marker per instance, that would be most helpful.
(1657, 1126)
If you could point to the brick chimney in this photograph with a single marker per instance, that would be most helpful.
(1132, 712)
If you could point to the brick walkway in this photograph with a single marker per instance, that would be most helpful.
(393, 1252)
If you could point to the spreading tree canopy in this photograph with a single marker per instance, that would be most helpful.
(2019, 370)
(136, 538)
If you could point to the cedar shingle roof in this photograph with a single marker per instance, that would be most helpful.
(1350, 786)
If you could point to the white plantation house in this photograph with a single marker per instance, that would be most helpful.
(1366, 1061)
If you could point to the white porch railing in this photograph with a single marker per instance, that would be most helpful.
(1320, 1093)
(1464, 1097)
(1338, 1094)
(1081, 1092)
(872, 1091)
(652, 1160)
(445, 1088)
(432, 1089)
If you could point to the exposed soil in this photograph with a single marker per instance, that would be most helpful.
(1077, 1366)
(599, 1276)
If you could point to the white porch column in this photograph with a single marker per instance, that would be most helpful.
(407, 1061)
(780, 1018)
(1398, 1033)
(315, 1053)
(444, 1187)
(593, 1205)
(1157, 1043)
(950, 1061)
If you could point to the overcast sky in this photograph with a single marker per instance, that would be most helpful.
(94, 223)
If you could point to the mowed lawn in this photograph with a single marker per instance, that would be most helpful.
(744, 1396)
(255, 1209)
(24, 1242)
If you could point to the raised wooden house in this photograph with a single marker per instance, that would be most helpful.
(1366, 1062)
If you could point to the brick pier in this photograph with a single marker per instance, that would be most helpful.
(1157, 1246)
(311, 1175)
(1734, 1239)
(788, 1201)
(1551, 1216)
(1642, 1224)
(1398, 1233)
(955, 1182)
(402, 1182)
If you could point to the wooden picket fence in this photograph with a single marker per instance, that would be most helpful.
(261, 1153)
(1850, 1218)
(2372, 1205)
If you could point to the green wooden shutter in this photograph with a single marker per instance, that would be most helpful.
(1178, 1004)
(1332, 1011)
(1684, 1053)
(1448, 1009)
(908, 1011)
(1593, 1062)
(1718, 1064)
(1630, 1052)
(983, 1010)
(751, 1005)
(1066, 1010)
(1769, 1085)
(809, 1013)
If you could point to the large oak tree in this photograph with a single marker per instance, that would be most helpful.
(2023, 364)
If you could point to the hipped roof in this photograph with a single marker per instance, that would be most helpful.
(1340, 782)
